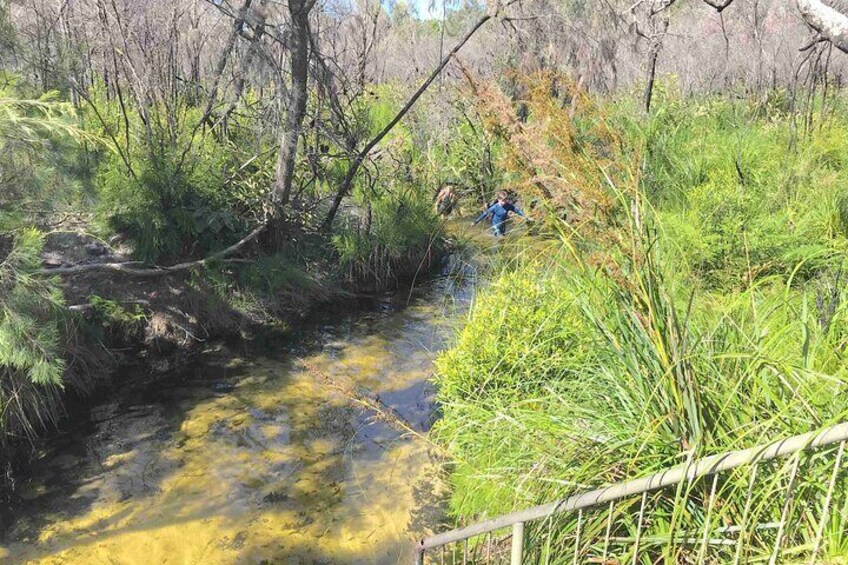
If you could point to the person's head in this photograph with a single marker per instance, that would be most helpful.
(501, 196)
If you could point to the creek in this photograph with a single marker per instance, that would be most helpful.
(255, 453)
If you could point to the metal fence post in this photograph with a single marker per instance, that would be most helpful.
(639, 527)
(826, 507)
(743, 524)
(517, 543)
(787, 507)
(703, 551)
(609, 530)
(577, 539)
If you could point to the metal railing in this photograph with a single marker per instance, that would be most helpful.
(607, 497)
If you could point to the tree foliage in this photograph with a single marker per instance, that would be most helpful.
(31, 345)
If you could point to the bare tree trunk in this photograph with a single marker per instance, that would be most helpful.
(254, 49)
(281, 192)
(235, 31)
(829, 22)
(653, 55)
(255, 46)
(758, 37)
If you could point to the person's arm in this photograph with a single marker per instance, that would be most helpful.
(514, 208)
(484, 215)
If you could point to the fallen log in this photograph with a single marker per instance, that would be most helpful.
(128, 268)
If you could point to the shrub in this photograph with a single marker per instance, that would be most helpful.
(37, 148)
(176, 191)
(564, 379)
(169, 211)
(31, 360)
(732, 192)
(394, 237)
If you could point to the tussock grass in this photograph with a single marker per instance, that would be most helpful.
(563, 381)
(715, 323)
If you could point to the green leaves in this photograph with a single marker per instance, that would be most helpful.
(30, 307)
(38, 150)
(33, 121)
(735, 196)
(170, 210)
(722, 328)
(396, 225)
(31, 354)
(564, 380)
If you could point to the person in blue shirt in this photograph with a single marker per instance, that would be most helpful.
(499, 210)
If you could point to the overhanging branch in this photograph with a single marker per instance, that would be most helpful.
(831, 23)
(495, 8)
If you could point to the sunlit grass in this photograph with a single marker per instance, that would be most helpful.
(713, 322)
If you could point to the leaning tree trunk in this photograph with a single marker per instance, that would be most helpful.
(347, 182)
(281, 192)
(831, 23)
(238, 23)
(652, 73)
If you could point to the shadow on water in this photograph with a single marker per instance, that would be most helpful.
(248, 457)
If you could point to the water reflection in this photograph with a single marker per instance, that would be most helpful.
(252, 457)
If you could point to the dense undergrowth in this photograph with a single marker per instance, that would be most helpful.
(688, 302)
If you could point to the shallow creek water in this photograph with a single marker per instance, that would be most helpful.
(253, 455)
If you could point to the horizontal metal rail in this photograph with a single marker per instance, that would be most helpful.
(668, 477)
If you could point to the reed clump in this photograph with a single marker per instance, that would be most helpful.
(710, 318)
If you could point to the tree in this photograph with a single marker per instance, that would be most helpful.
(347, 183)
(31, 360)
(296, 108)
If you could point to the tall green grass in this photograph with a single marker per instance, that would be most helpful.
(395, 236)
(717, 323)
(739, 198)
(563, 380)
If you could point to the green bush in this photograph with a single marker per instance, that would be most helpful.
(463, 154)
(517, 339)
(565, 380)
(392, 231)
(394, 235)
(169, 211)
(31, 352)
(176, 191)
(40, 162)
